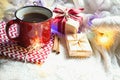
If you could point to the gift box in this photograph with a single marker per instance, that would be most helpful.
(67, 19)
(78, 45)
(13, 51)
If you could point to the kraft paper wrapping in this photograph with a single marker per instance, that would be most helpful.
(78, 45)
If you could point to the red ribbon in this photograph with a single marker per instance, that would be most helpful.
(62, 17)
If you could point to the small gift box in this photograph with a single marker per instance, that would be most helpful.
(67, 19)
(78, 45)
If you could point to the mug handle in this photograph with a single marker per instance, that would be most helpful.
(8, 25)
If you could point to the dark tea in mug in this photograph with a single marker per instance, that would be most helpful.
(34, 17)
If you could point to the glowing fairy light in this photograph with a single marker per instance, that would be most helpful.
(105, 39)
(35, 43)
(105, 34)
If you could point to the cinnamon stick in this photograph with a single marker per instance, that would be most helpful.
(58, 47)
(55, 43)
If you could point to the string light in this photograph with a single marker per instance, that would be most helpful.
(105, 39)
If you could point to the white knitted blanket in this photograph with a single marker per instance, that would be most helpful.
(56, 67)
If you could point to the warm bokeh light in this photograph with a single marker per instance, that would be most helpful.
(105, 39)
(105, 34)
(35, 43)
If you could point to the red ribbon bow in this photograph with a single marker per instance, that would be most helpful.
(62, 17)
